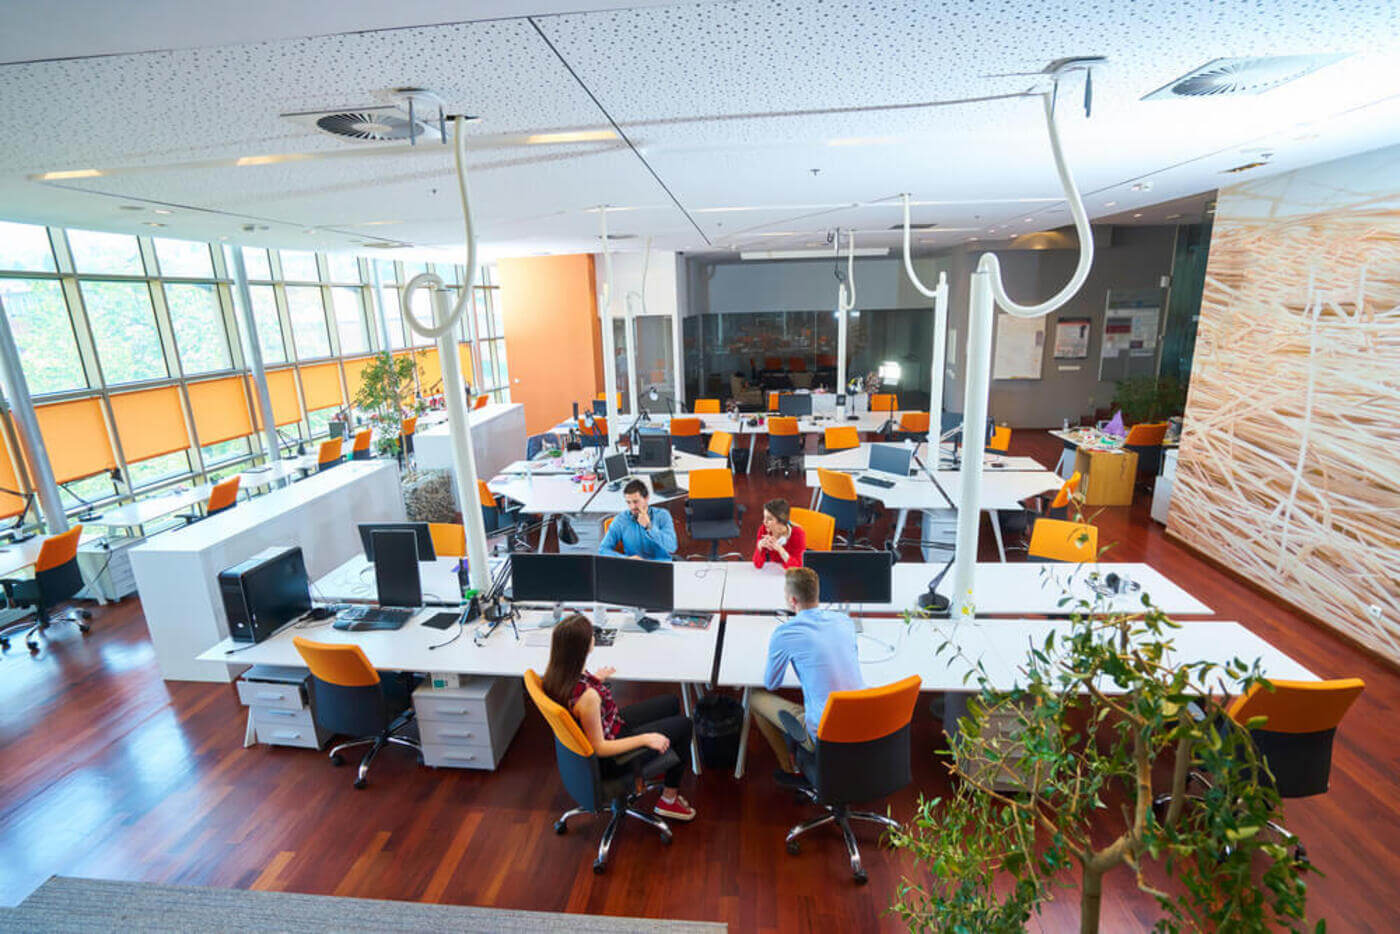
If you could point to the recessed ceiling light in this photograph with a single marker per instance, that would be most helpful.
(1109, 204)
(161, 211)
(153, 224)
(130, 207)
(1172, 217)
(1137, 215)
(224, 237)
(70, 173)
(1142, 186)
(1027, 220)
(972, 238)
(577, 136)
(1243, 168)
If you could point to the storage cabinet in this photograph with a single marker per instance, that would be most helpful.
(470, 726)
(1108, 476)
(280, 709)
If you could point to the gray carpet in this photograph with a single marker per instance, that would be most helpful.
(92, 905)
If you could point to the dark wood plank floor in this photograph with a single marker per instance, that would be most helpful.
(108, 771)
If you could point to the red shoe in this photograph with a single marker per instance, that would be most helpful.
(675, 809)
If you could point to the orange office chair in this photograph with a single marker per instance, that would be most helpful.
(481, 401)
(329, 455)
(711, 513)
(706, 407)
(410, 425)
(1146, 441)
(772, 363)
(862, 752)
(685, 435)
(222, 496)
(1295, 739)
(449, 539)
(773, 401)
(1059, 506)
(498, 518)
(351, 699)
(596, 783)
(56, 579)
(826, 360)
(359, 450)
(797, 364)
(839, 500)
(886, 403)
(1059, 540)
(913, 426)
(1000, 440)
(784, 444)
(596, 435)
(840, 438)
(819, 527)
(721, 443)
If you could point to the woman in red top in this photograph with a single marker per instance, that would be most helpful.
(779, 540)
(656, 723)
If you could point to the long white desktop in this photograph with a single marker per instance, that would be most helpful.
(498, 437)
(177, 572)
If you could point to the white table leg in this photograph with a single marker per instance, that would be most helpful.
(743, 739)
(544, 533)
(690, 713)
(996, 531)
(250, 734)
(899, 527)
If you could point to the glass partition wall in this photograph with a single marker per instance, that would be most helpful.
(133, 351)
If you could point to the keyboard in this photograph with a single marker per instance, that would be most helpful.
(361, 618)
(875, 481)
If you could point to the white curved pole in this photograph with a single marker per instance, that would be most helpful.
(609, 345)
(845, 301)
(988, 292)
(443, 330)
(940, 356)
(909, 263)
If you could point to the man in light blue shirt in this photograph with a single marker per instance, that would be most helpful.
(821, 647)
(642, 531)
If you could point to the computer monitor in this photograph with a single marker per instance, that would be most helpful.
(646, 585)
(600, 407)
(615, 467)
(420, 529)
(551, 578)
(892, 459)
(541, 442)
(277, 590)
(335, 428)
(851, 576)
(396, 567)
(654, 451)
(795, 404)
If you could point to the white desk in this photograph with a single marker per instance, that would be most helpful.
(353, 582)
(889, 651)
(1001, 489)
(177, 572)
(288, 469)
(855, 460)
(498, 437)
(550, 496)
(149, 510)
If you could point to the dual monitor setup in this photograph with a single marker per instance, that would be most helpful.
(573, 578)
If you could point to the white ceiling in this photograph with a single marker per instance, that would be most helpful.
(730, 106)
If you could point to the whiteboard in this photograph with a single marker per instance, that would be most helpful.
(1020, 347)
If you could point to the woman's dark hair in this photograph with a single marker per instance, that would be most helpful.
(568, 650)
(778, 509)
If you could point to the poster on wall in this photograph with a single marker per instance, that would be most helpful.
(1129, 345)
(1019, 348)
(1072, 338)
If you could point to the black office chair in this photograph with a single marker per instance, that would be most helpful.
(861, 753)
(353, 700)
(56, 579)
(596, 783)
(711, 514)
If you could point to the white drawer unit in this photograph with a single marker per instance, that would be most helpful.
(470, 726)
(279, 706)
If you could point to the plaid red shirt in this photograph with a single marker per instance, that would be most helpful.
(607, 710)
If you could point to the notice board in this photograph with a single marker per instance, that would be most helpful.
(1020, 347)
(1130, 322)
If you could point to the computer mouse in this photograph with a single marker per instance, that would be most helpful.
(648, 624)
(998, 463)
(320, 612)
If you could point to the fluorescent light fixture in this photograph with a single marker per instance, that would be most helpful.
(71, 173)
(811, 254)
(570, 136)
(162, 211)
(273, 158)
(1109, 204)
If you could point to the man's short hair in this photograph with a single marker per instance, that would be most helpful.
(638, 487)
(801, 584)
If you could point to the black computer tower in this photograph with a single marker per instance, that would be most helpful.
(264, 592)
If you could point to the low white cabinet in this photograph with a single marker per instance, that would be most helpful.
(470, 726)
(280, 708)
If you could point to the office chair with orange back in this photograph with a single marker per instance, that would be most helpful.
(410, 426)
(222, 496)
(1146, 441)
(359, 451)
(711, 512)
(56, 579)
(329, 455)
(913, 426)
(480, 402)
(685, 435)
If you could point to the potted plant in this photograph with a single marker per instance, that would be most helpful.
(1098, 708)
(386, 392)
(1148, 399)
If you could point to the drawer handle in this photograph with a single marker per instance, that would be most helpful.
(283, 713)
(468, 757)
(267, 695)
(457, 711)
(287, 734)
(459, 734)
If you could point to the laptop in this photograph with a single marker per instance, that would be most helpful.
(663, 483)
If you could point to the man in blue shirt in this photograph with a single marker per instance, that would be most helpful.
(643, 532)
(821, 647)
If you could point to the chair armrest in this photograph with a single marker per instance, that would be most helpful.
(21, 591)
(795, 729)
(189, 516)
(640, 767)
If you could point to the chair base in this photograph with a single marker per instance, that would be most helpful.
(35, 629)
(376, 743)
(841, 815)
(620, 808)
(1300, 853)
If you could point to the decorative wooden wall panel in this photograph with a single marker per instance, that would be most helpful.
(1289, 470)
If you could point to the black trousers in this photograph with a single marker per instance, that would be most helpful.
(660, 714)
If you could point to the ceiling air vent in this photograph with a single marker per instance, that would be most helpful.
(411, 114)
(382, 123)
(1231, 76)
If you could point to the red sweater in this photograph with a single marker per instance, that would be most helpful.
(796, 544)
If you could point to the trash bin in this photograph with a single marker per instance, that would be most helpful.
(718, 722)
(740, 457)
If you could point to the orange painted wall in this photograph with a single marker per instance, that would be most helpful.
(553, 337)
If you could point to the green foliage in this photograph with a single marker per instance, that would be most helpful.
(1099, 703)
(1149, 399)
(386, 391)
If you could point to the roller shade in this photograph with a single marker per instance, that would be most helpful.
(220, 410)
(9, 479)
(320, 385)
(75, 434)
(354, 375)
(150, 423)
(429, 372)
(464, 353)
(282, 388)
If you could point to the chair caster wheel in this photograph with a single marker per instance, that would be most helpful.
(561, 827)
(861, 877)
(85, 614)
(666, 839)
(359, 783)
(794, 847)
(337, 759)
(5, 644)
(84, 628)
(33, 647)
(598, 867)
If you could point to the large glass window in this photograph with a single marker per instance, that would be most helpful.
(299, 267)
(93, 251)
(349, 320)
(184, 259)
(44, 334)
(224, 451)
(343, 267)
(124, 329)
(154, 469)
(25, 248)
(199, 327)
(423, 311)
(266, 321)
(308, 317)
(393, 316)
(255, 263)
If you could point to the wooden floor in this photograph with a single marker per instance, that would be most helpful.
(108, 771)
